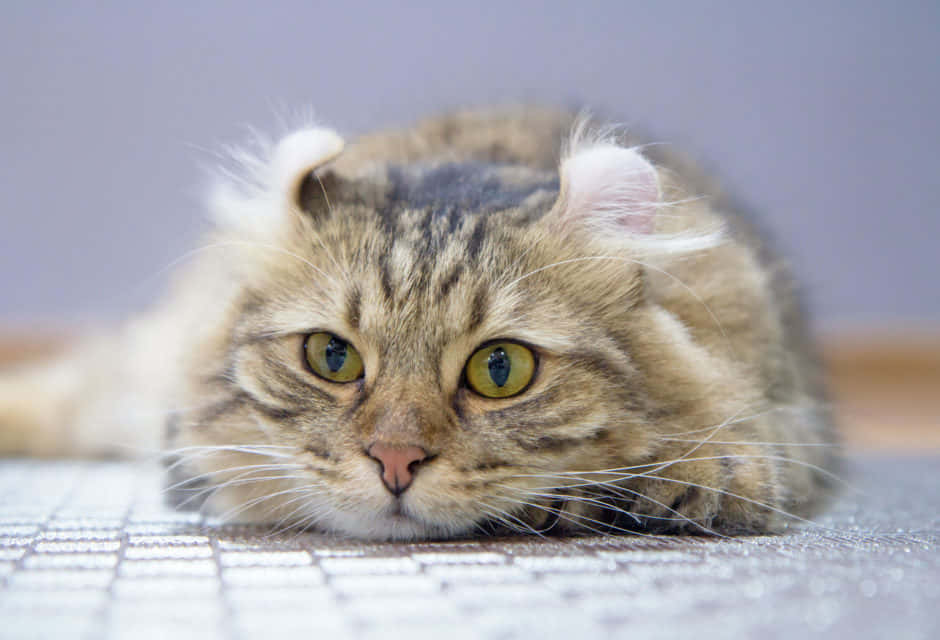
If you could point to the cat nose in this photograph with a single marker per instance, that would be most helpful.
(398, 464)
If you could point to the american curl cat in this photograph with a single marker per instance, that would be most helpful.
(504, 320)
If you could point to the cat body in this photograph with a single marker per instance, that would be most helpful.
(468, 326)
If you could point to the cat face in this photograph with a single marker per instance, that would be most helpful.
(422, 351)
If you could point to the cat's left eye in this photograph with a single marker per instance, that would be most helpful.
(500, 369)
(332, 358)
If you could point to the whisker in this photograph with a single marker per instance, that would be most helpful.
(606, 505)
(736, 496)
(287, 521)
(645, 265)
(509, 519)
(200, 452)
(226, 470)
(580, 519)
(752, 416)
(240, 480)
(795, 461)
(756, 443)
(625, 475)
(229, 514)
(692, 484)
(659, 464)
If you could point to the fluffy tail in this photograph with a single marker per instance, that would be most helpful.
(88, 402)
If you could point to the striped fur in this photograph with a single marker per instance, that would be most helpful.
(676, 388)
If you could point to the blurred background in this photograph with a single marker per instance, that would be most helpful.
(823, 116)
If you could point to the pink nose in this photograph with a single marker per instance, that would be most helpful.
(398, 464)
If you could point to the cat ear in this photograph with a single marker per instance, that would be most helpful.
(260, 198)
(609, 188)
(297, 155)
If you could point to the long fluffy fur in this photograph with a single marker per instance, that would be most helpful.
(677, 388)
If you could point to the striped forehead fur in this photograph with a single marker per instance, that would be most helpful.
(249, 197)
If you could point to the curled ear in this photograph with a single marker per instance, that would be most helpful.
(297, 155)
(259, 199)
(609, 188)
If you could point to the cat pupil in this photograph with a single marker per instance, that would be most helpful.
(335, 354)
(499, 366)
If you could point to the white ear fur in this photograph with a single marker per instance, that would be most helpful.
(258, 199)
(298, 154)
(611, 187)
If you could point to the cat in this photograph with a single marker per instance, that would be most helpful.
(504, 320)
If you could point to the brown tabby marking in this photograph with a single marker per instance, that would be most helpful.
(675, 388)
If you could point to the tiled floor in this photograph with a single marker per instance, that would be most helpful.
(87, 551)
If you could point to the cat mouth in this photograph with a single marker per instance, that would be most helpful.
(401, 521)
(396, 511)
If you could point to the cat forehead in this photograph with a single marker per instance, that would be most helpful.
(445, 194)
(469, 186)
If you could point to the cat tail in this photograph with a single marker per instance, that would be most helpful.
(90, 401)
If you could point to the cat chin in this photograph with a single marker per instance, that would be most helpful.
(380, 527)
(367, 522)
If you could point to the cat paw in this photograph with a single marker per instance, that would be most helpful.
(730, 493)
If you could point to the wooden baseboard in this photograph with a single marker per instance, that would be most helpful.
(885, 386)
(25, 346)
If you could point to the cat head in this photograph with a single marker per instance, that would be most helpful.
(419, 350)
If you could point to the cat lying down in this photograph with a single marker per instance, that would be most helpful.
(495, 321)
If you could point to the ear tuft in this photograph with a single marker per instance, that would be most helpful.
(300, 153)
(258, 195)
(612, 187)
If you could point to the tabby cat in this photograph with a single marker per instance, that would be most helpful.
(495, 321)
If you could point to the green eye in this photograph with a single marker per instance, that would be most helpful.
(500, 369)
(332, 358)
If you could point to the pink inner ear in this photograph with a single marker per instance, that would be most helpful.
(611, 186)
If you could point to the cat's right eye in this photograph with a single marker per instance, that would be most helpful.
(332, 358)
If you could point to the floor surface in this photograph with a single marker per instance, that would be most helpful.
(88, 551)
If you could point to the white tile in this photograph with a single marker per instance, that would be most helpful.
(52, 602)
(17, 531)
(62, 579)
(195, 567)
(167, 540)
(12, 553)
(168, 552)
(264, 558)
(630, 556)
(167, 588)
(503, 596)
(368, 566)
(554, 564)
(78, 546)
(406, 609)
(307, 598)
(85, 523)
(481, 557)
(479, 574)
(80, 535)
(390, 585)
(305, 623)
(71, 561)
(272, 576)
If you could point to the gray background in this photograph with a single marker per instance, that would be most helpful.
(823, 116)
